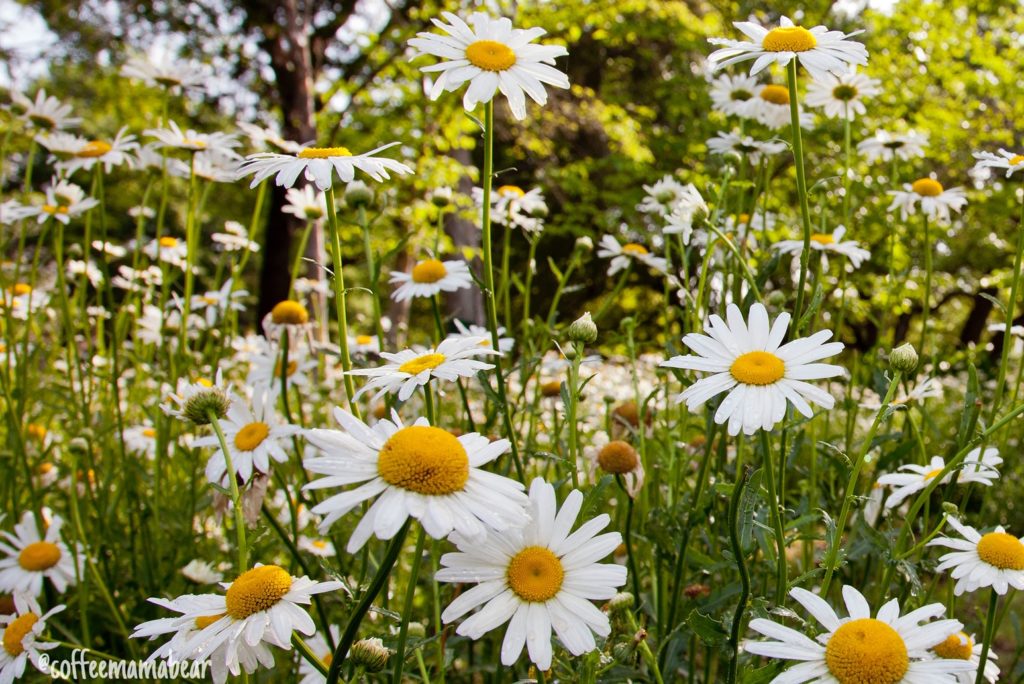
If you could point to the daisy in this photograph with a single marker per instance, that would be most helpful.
(936, 202)
(321, 548)
(819, 50)
(616, 457)
(235, 238)
(827, 243)
(215, 167)
(688, 208)
(772, 108)
(322, 650)
(216, 303)
(287, 316)
(744, 146)
(408, 369)
(201, 572)
(20, 634)
(995, 559)
(1015, 330)
(760, 374)
(253, 437)
(662, 196)
(178, 401)
(263, 137)
(31, 558)
(305, 203)
(490, 56)
(926, 389)
(60, 144)
(170, 75)
(1011, 161)
(76, 268)
(513, 207)
(318, 164)
(114, 152)
(961, 646)
(884, 146)
(45, 112)
(64, 201)
(841, 95)
(141, 439)
(21, 299)
(172, 137)
(735, 95)
(265, 368)
(541, 578)
(430, 277)
(623, 256)
(168, 249)
(505, 344)
(415, 471)
(363, 344)
(886, 648)
(977, 467)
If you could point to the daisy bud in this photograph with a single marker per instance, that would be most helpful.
(358, 194)
(440, 197)
(371, 654)
(416, 630)
(621, 602)
(78, 445)
(583, 330)
(950, 509)
(585, 243)
(624, 652)
(200, 405)
(903, 358)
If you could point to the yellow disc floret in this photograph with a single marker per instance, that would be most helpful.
(1002, 550)
(421, 363)
(789, 39)
(634, 249)
(16, 632)
(424, 459)
(1016, 159)
(775, 94)
(256, 590)
(927, 187)
(94, 148)
(617, 457)
(289, 312)
(490, 55)
(251, 436)
(168, 242)
(39, 556)
(823, 239)
(323, 152)
(535, 574)
(511, 191)
(205, 621)
(758, 368)
(428, 271)
(957, 646)
(866, 651)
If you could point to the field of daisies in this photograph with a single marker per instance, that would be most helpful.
(326, 493)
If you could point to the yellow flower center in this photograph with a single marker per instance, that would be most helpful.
(551, 388)
(292, 365)
(19, 289)
(421, 363)
(744, 219)
(39, 556)
(289, 312)
(251, 436)
(319, 544)
(927, 187)
(617, 457)
(256, 590)
(15, 633)
(94, 148)
(424, 459)
(45, 468)
(1002, 550)
(490, 55)
(323, 152)
(149, 432)
(53, 209)
(823, 238)
(1018, 159)
(327, 659)
(634, 249)
(535, 574)
(957, 646)
(511, 191)
(844, 92)
(168, 242)
(932, 474)
(204, 382)
(775, 94)
(866, 651)
(193, 143)
(428, 271)
(205, 621)
(789, 39)
(364, 339)
(758, 368)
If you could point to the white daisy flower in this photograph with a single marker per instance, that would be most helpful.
(512, 206)
(76, 268)
(505, 344)
(321, 548)
(265, 367)
(936, 202)
(744, 146)
(409, 369)
(761, 375)
(995, 559)
(110, 153)
(841, 95)
(45, 112)
(1010, 161)
(363, 344)
(735, 95)
(264, 137)
(827, 243)
(235, 238)
(490, 56)
(961, 646)
(287, 316)
(318, 164)
(926, 389)
(31, 558)
(61, 144)
(430, 277)
(201, 572)
(213, 166)
(173, 137)
(215, 303)
(20, 635)
(541, 578)
(254, 437)
(179, 74)
(771, 107)
(884, 146)
(21, 300)
(819, 50)
(1015, 330)
(322, 650)
(886, 648)
(977, 468)
(168, 249)
(615, 457)
(662, 196)
(623, 256)
(141, 439)
(12, 211)
(417, 470)
(305, 203)
(688, 208)
(64, 201)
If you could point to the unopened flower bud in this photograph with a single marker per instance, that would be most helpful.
(78, 445)
(585, 243)
(950, 509)
(358, 194)
(621, 602)
(903, 358)
(583, 329)
(416, 630)
(371, 654)
(440, 197)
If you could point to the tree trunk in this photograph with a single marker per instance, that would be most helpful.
(468, 304)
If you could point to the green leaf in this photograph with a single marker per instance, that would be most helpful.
(709, 630)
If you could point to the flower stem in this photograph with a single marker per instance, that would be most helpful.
(628, 540)
(926, 296)
(801, 188)
(1011, 308)
(990, 629)
(741, 566)
(775, 502)
(410, 594)
(339, 301)
(236, 499)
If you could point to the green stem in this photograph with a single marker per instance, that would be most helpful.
(741, 566)
(410, 594)
(1011, 308)
(339, 301)
(801, 188)
(775, 504)
(926, 296)
(628, 540)
(990, 628)
(236, 499)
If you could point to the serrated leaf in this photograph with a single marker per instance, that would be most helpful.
(709, 630)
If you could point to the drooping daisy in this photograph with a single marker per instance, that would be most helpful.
(430, 277)
(235, 238)
(540, 578)
(263, 137)
(961, 646)
(305, 203)
(819, 50)
(978, 467)
(20, 636)
(735, 95)
(995, 559)
(512, 206)
(490, 56)
(761, 375)
(744, 146)
(505, 344)
(173, 137)
(31, 558)
(45, 112)
(322, 650)
(623, 256)
(771, 107)
(936, 202)
(884, 146)
(287, 316)
(827, 243)
(178, 402)
(887, 648)
(169, 74)
(253, 436)
(110, 153)
(1010, 161)
(318, 165)
(841, 95)
(418, 470)
(201, 572)
(409, 369)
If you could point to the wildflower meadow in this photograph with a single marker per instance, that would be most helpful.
(584, 342)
